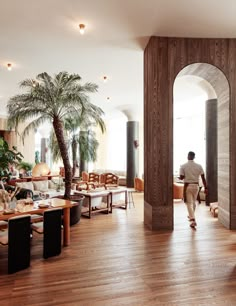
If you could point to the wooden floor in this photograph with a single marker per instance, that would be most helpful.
(115, 260)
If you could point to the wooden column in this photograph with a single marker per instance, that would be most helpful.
(211, 151)
(215, 61)
(158, 137)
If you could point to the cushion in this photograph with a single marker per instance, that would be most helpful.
(58, 181)
(41, 185)
(73, 186)
(52, 185)
(4, 237)
(77, 172)
(26, 185)
(37, 227)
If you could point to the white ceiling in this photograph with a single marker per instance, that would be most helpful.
(38, 36)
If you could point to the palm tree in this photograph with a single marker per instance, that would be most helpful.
(87, 149)
(80, 138)
(52, 99)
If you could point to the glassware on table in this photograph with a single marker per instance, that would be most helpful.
(42, 195)
(12, 204)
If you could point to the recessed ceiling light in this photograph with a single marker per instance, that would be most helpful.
(108, 98)
(105, 79)
(81, 28)
(9, 66)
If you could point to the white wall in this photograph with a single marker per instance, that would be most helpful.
(189, 131)
(112, 145)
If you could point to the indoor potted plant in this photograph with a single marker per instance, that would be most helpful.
(25, 168)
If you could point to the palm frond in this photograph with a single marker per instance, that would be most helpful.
(34, 124)
(88, 146)
(53, 145)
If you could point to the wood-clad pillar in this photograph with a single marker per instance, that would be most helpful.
(158, 141)
(214, 60)
(132, 167)
(211, 151)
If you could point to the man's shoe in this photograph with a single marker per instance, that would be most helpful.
(193, 224)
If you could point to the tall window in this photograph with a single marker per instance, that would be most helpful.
(189, 131)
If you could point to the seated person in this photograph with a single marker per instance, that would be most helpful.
(14, 172)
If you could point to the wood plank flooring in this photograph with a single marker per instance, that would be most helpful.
(115, 260)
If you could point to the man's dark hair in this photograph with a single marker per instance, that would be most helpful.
(191, 154)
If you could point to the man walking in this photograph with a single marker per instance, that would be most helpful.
(190, 173)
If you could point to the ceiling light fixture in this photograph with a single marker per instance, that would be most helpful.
(108, 98)
(105, 79)
(9, 66)
(81, 28)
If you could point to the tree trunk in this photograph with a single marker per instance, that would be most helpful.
(58, 128)
(74, 155)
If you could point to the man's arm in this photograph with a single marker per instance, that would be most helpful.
(181, 173)
(204, 182)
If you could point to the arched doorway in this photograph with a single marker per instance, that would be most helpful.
(217, 142)
(164, 58)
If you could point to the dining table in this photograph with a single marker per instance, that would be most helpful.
(39, 207)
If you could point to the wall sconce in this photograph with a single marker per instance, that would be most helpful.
(136, 144)
(9, 67)
(81, 28)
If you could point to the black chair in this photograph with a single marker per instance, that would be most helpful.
(51, 228)
(17, 237)
(22, 193)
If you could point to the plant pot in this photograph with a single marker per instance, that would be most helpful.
(75, 211)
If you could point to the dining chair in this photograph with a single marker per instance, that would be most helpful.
(17, 237)
(51, 229)
(110, 180)
(3, 225)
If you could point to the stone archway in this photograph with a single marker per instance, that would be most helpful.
(219, 84)
(164, 58)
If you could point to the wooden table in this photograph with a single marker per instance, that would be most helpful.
(115, 191)
(130, 196)
(35, 209)
(94, 195)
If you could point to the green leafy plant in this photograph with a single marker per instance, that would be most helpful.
(52, 99)
(25, 166)
(8, 157)
(36, 158)
(80, 138)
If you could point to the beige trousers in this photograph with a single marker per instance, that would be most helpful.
(191, 197)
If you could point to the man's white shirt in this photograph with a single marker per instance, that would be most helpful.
(191, 171)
